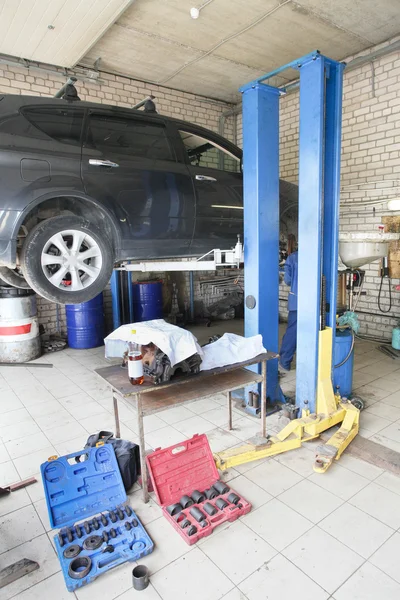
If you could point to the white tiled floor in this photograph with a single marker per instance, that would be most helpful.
(333, 536)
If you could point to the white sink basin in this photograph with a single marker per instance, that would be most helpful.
(358, 249)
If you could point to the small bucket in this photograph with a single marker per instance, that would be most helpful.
(140, 578)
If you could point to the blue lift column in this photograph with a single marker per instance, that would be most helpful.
(261, 220)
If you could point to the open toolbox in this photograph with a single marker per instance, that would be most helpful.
(86, 498)
(188, 488)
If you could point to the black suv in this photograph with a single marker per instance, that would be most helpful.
(84, 186)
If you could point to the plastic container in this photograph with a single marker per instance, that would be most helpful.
(85, 323)
(343, 376)
(180, 470)
(396, 338)
(19, 326)
(147, 300)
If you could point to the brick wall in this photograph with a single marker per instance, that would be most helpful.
(120, 91)
(370, 168)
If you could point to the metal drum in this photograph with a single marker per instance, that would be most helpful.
(85, 323)
(19, 326)
(147, 300)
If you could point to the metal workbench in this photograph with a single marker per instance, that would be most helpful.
(147, 399)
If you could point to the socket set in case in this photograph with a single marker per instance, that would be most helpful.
(86, 498)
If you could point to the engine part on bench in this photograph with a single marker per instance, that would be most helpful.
(128, 526)
(221, 487)
(157, 365)
(198, 497)
(96, 524)
(113, 533)
(174, 509)
(72, 551)
(79, 567)
(120, 514)
(104, 520)
(78, 531)
(192, 530)
(220, 502)
(113, 517)
(185, 523)
(197, 514)
(233, 498)
(106, 537)
(135, 523)
(186, 501)
(86, 526)
(93, 542)
(128, 510)
(240, 505)
(210, 494)
(61, 539)
(69, 533)
(108, 548)
(209, 509)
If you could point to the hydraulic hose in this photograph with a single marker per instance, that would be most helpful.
(390, 296)
(350, 351)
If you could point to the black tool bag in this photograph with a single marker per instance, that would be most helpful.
(127, 453)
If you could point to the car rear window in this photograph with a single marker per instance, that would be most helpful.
(61, 124)
(132, 137)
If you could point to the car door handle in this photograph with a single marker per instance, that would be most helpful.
(205, 178)
(97, 162)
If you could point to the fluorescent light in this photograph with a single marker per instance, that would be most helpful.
(227, 206)
(394, 204)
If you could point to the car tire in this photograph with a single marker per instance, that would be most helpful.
(54, 263)
(14, 278)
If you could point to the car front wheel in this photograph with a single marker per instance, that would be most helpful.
(66, 260)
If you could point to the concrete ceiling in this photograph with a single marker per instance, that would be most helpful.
(232, 41)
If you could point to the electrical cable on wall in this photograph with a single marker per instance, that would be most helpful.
(390, 295)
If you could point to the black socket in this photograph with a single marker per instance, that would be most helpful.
(203, 524)
(209, 509)
(61, 539)
(185, 523)
(78, 531)
(106, 537)
(221, 487)
(220, 502)
(79, 567)
(120, 514)
(197, 514)
(96, 524)
(70, 536)
(233, 498)
(210, 493)
(113, 533)
(104, 520)
(135, 523)
(128, 510)
(174, 509)
(72, 551)
(113, 517)
(86, 526)
(128, 526)
(192, 530)
(186, 501)
(198, 497)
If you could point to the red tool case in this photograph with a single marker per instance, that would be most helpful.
(179, 470)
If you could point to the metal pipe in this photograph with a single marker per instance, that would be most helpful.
(130, 297)
(70, 81)
(143, 102)
(221, 129)
(191, 285)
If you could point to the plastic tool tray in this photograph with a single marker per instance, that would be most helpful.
(183, 477)
(86, 500)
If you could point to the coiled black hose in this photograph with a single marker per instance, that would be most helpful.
(390, 295)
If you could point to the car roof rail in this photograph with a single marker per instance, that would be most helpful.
(68, 90)
(148, 105)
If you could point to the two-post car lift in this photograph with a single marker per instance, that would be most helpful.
(320, 110)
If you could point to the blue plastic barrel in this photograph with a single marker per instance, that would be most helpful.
(147, 300)
(85, 323)
(343, 376)
(396, 338)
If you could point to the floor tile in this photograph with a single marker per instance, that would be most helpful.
(13, 417)
(298, 460)
(176, 414)
(41, 509)
(389, 481)
(220, 439)
(251, 465)
(246, 427)
(48, 589)
(310, 500)
(373, 422)
(273, 477)
(14, 501)
(192, 575)
(64, 432)
(45, 408)
(234, 594)
(146, 512)
(340, 481)
(392, 432)
(195, 424)
(361, 467)
(360, 379)
(36, 491)
(279, 579)
(164, 437)
(379, 503)
(11, 531)
(393, 399)
(39, 550)
(150, 423)
(370, 392)
(36, 394)
(387, 558)
(110, 585)
(18, 430)
(202, 406)
(357, 530)
(380, 409)
(219, 416)
(73, 445)
(380, 368)
(8, 473)
(320, 556)
(248, 551)
(368, 583)
(24, 446)
(4, 456)
(28, 465)
(149, 593)
(277, 524)
(388, 385)
(252, 492)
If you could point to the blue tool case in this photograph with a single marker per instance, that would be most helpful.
(86, 499)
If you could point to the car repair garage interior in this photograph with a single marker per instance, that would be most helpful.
(199, 299)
